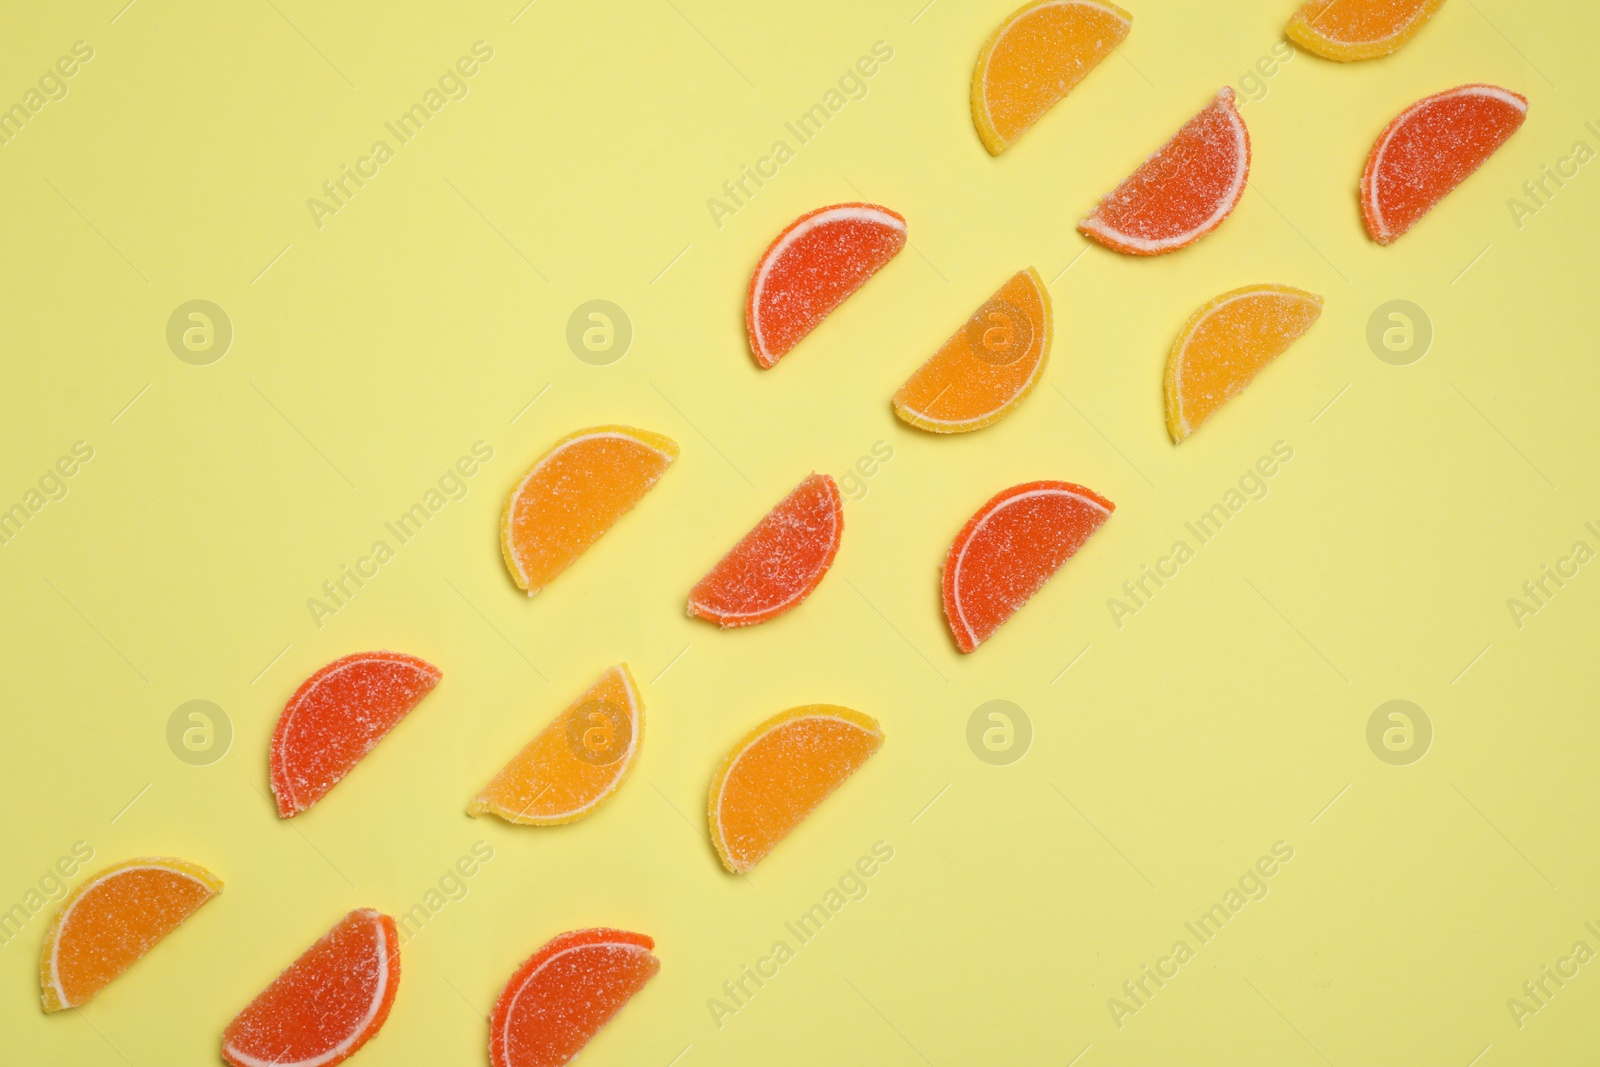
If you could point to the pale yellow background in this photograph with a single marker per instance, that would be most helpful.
(428, 313)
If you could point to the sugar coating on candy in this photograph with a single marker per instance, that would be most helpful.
(113, 919)
(336, 717)
(576, 762)
(1348, 30)
(573, 494)
(1184, 191)
(1034, 58)
(811, 267)
(1010, 549)
(1429, 149)
(779, 772)
(987, 367)
(326, 1004)
(563, 994)
(1226, 343)
(778, 563)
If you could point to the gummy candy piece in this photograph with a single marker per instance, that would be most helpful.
(575, 763)
(563, 994)
(1348, 30)
(811, 267)
(1010, 548)
(336, 717)
(1429, 149)
(575, 493)
(1181, 193)
(1036, 57)
(779, 772)
(776, 565)
(326, 1004)
(1226, 343)
(113, 919)
(987, 367)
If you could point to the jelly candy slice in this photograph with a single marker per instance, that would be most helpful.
(336, 717)
(811, 267)
(1429, 149)
(1010, 548)
(988, 367)
(1348, 30)
(576, 763)
(1226, 343)
(1184, 191)
(326, 1004)
(776, 565)
(114, 918)
(779, 772)
(563, 994)
(573, 494)
(1036, 57)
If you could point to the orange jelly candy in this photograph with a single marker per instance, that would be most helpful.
(1430, 148)
(1348, 30)
(573, 494)
(1225, 345)
(1184, 191)
(1036, 57)
(326, 1004)
(576, 763)
(1010, 549)
(776, 565)
(779, 772)
(989, 366)
(811, 268)
(336, 717)
(113, 919)
(563, 994)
